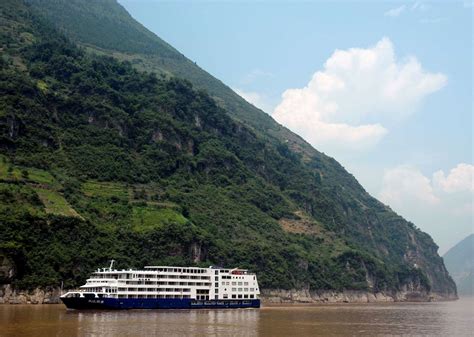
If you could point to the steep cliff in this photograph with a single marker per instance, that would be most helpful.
(101, 160)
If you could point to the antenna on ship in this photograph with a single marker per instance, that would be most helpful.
(111, 264)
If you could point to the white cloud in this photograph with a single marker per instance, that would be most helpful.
(460, 178)
(443, 205)
(254, 98)
(343, 105)
(419, 6)
(394, 12)
(406, 184)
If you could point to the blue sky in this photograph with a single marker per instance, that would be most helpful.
(394, 105)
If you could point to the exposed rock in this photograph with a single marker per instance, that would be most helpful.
(36, 296)
(7, 269)
(197, 122)
(347, 296)
(8, 295)
(197, 252)
(157, 136)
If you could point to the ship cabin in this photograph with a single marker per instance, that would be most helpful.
(171, 282)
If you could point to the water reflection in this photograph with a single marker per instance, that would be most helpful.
(170, 322)
(429, 319)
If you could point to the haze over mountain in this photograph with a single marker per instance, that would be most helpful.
(107, 159)
(459, 261)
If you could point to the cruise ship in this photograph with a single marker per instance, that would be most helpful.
(166, 287)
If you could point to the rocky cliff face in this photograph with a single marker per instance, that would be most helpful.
(7, 269)
(268, 296)
(100, 161)
(9, 295)
(275, 296)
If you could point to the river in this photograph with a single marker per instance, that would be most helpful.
(395, 319)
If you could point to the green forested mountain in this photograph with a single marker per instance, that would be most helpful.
(153, 161)
(459, 261)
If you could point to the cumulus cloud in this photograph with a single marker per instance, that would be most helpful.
(394, 12)
(404, 184)
(442, 205)
(460, 178)
(345, 104)
(254, 98)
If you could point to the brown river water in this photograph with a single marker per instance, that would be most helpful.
(396, 319)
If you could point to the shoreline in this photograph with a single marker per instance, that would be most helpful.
(350, 296)
(269, 297)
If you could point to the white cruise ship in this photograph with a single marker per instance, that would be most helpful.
(166, 287)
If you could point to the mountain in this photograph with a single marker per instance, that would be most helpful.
(114, 145)
(459, 261)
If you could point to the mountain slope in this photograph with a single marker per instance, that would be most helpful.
(459, 261)
(104, 26)
(154, 171)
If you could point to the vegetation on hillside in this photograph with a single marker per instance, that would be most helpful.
(103, 161)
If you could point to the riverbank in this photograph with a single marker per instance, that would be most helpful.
(280, 296)
(8, 295)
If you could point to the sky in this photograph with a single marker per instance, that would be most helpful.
(383, 87)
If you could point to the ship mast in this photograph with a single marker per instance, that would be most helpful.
(111, 264)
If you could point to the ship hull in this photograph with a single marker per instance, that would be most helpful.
(155, 303)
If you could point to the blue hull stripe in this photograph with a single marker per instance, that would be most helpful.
(156, 303)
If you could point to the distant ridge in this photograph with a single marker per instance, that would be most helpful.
(459, 261)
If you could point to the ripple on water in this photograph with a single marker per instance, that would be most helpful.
(408, 319)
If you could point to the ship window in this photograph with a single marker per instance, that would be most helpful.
(225, 295)
(233, 296)
(251, 296)
(246, 296)
(240, 296)
(216, 272)
(240, 289)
